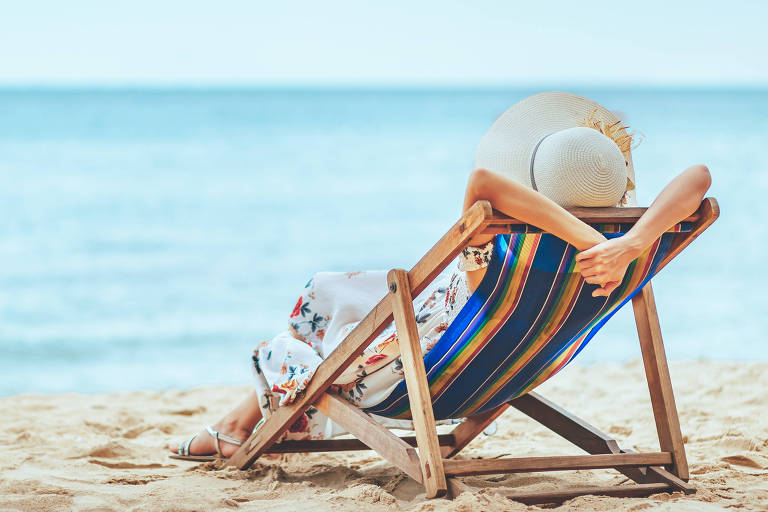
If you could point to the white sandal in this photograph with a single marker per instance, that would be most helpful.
(183, 450)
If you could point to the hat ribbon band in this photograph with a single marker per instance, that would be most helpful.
(533, 158)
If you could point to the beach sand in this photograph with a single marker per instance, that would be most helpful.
(105, 452)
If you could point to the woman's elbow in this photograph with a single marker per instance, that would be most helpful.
(702, 178)
(477, 186)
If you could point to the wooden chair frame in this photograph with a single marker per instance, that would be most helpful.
(432, 465)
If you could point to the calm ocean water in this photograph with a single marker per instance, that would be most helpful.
(149, 238)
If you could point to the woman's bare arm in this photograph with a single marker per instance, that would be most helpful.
(527, 205)
(606, 263)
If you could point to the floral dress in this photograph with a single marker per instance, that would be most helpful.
(328, 309)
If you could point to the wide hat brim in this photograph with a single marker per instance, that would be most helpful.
(508, 145)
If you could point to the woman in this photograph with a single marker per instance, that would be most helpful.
(550, 151)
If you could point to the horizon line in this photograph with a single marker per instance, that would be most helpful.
(371, 86)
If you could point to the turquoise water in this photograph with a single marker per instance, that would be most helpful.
(149, 238)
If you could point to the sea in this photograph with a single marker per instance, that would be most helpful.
(151, 237)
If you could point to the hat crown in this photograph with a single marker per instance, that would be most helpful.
(531, 125)
(579, 167)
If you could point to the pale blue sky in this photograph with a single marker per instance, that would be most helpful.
(644, 42)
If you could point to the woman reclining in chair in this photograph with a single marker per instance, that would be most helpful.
(550, 151)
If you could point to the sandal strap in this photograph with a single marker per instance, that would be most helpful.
(183, 449)
(222, 437)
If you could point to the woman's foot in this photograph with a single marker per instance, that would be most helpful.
(204, 443)
(237, 424)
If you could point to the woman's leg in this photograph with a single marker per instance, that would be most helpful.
(237, 423)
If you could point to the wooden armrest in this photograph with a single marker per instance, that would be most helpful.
(708, 210)
(608, 215)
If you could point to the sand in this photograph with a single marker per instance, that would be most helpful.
(105, 452)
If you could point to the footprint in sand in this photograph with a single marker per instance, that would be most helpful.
(127, 465)
(110, 451)
(753, 461)
(135, 432)
(118, 451)
(99, 427)
(135, 480)
(189, 412)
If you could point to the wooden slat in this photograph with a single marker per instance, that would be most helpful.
(616, 491)
(503, 229)
(708, 211)
(416, 383)
(421, 275)
(593, 216)
(659, 382)
(342, 445)
(569, 462)
(365, 428)
(466, 431)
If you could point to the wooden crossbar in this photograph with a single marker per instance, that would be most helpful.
(616, 491)
(560, 463)
(344, 445)
(616, 215)
(456, 487)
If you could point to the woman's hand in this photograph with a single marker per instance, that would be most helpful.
(606, 263)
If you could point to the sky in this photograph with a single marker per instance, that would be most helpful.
(299, 42)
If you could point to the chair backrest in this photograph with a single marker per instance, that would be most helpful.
(529, 317)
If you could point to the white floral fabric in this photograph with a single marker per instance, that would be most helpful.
(475, 258)
(329, 308)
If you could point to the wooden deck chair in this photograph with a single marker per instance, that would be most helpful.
(494, 353)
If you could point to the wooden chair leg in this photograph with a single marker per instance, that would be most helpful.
(659, 382)
(416, 383)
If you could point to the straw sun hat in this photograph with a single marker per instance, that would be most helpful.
(567, 147)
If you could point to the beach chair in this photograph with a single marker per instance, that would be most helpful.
(528, 318)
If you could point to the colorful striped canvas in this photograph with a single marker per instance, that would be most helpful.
(530, 316)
